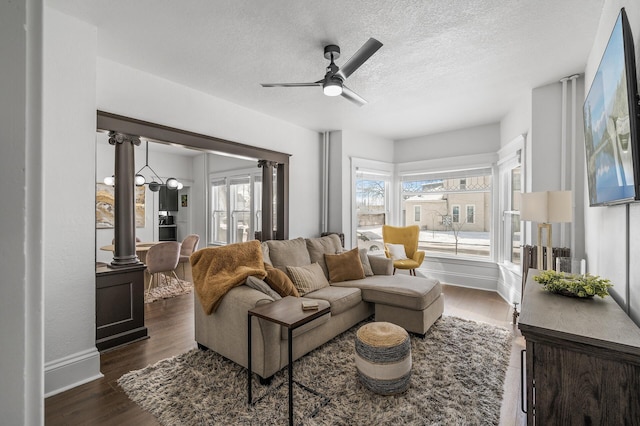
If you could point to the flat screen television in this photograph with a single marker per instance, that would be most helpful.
(611, 123)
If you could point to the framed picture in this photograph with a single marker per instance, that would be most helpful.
(185, 202)
(105, 201)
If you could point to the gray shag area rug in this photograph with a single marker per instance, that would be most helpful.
(457, 379)
(171, 288)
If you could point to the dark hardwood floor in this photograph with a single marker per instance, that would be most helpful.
(170, 324)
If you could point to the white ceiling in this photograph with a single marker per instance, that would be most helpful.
(445, 64)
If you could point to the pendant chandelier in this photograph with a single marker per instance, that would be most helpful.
(154, 185)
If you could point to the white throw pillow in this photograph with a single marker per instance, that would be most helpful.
(397, 251)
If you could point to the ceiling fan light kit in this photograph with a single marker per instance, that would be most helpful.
(333, 81)
(332, 87)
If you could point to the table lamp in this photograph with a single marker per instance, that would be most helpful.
(545, 208)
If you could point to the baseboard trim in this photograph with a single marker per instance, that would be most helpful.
(71, 371)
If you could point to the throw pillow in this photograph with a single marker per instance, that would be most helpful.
(364, 259)
(396, 251)
(257, 284)
(288, 252)
(344, 266)
(317, 248)
(280, 282)
(307, 278)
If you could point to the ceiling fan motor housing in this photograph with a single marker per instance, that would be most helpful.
(330, 50)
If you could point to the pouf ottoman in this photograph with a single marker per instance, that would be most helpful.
(383, 357)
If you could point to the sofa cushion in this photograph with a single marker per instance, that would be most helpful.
(257, 284)
(280, 282)
(344, 266)
(405, 291)
(318, 247)
(285, 253)
(341, 299)
(364, 259)
(307, 278)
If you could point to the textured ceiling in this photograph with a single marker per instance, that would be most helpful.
(445, 64)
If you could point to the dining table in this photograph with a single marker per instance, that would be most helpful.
(142, 248)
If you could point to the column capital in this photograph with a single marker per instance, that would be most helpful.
(117, 137)
(267, 163)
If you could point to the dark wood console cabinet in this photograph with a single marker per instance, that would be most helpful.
(119, 306)
(582, 360)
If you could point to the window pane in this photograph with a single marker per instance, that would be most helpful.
(516, 188)
(455, 211)
(219, 212)
(515, 238)
(471, 210)
(371, 192)
(416, 213)
(240, 190)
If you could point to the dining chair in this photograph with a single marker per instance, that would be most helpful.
(189, 245)
(162, 258)
(401, 245)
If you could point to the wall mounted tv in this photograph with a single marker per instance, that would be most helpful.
(611, 123)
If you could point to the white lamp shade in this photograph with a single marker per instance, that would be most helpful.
(546, 207)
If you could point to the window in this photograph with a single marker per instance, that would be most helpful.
(512, 217)
(372, 200)
(416, 214)
(455, 210)
(512, 175)
(236, 203)
(455, 214)
(471, 213)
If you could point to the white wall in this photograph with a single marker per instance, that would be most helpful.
(517, 121)
(21, 316)
(612, 232)
(469, 141)
(71, 357)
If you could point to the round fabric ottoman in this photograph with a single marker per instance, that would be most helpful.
(383, 357)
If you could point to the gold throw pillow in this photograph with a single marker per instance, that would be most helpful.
(344, 266)
(280, 282)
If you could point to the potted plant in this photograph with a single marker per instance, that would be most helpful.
(574, 285)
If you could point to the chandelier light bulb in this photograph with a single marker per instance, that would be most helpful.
(110, 180)
(140, 180)
(172, 183)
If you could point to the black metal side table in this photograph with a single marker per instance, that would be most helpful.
(288, 313)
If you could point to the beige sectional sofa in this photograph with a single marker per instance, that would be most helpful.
(414, 303)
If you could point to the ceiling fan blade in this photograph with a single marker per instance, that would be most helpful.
(291, 84)
(352, 96)
(369, 48)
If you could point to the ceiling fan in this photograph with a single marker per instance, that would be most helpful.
(333, 81)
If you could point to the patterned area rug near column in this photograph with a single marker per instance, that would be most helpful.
(166, 290)
(457, 379)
